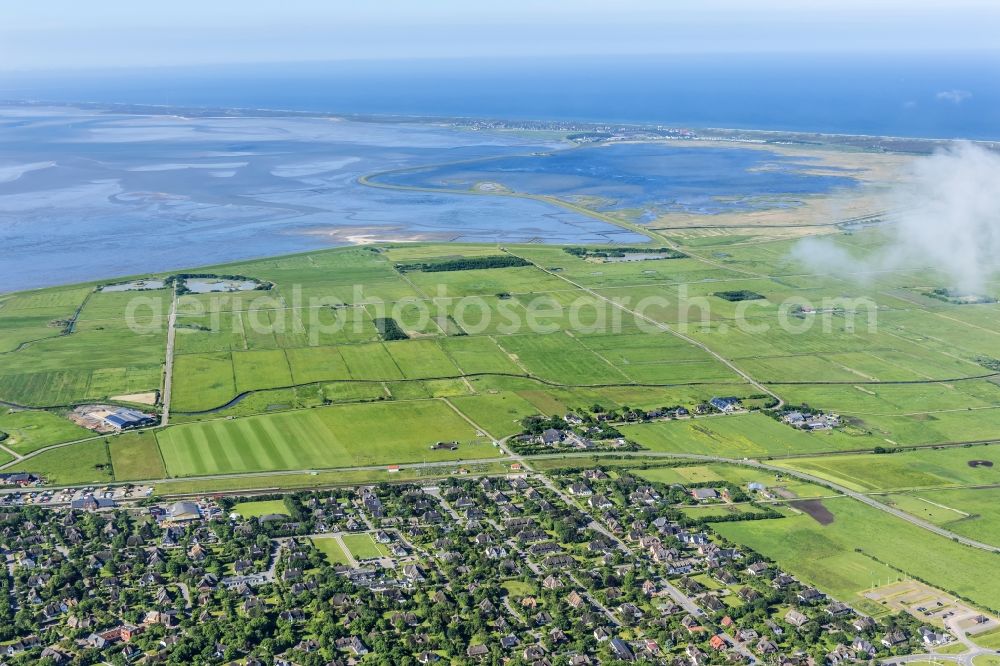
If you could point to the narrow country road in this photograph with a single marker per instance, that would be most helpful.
(17, 456)
(168, 364)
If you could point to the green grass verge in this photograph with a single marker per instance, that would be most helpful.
(331, 550)
(363, 547)
(266, 482)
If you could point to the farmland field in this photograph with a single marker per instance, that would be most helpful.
(331, 354)
(202, 381)
(746, 435)
(735, 474)
(324, 391)
(499, 413)
(845, 557)
(85, 462)
(135, 457)
(971, 512)
(906, 469)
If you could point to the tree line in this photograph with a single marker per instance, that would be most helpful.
(465, 264)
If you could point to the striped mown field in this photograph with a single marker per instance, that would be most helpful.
(337, 436)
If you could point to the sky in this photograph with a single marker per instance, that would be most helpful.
(75, 34)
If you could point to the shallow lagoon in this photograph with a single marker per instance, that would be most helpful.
(135, 285)
(652, 178)
(209, 286)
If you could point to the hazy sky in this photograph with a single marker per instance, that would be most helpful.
(61, 34)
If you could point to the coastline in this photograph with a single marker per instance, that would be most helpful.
(708, 133)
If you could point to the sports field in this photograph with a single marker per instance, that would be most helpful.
(336, 436)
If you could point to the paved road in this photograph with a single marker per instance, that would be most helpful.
(185, 594)
(168, 365)
(525, 461)
(17, 456)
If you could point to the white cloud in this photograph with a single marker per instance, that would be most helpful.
(954, 96)
(949, 222)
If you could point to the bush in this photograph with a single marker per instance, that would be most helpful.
(604, 253)
(389, 329)
(739, 295)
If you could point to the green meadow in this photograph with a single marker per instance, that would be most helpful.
(260, 508)
(971, 512)
(81, 463)
(924, 468)
(739, 436)
(135, 456)
(323, 390)
(29, 431)
(331, 549)
(863, 547)
(736, 474)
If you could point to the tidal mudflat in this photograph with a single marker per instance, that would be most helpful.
(150, 193)
(146, 193)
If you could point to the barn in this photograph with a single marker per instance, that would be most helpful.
(126, 419)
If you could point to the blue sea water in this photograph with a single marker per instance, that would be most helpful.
(916, 95)
(86, 194)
